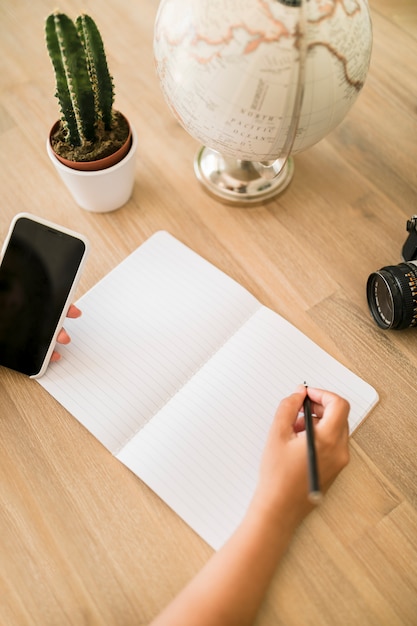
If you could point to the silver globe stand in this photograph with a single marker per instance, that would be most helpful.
(237, 181)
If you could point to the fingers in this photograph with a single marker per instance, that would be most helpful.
(332, 430)
(331, 408)
(330, 412)
(323, 398)
(63, 336)
(288, 410)
(73, 311)
(326, 405)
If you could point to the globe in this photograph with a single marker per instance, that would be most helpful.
(257, 81)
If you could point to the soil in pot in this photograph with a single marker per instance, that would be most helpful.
(109, 148)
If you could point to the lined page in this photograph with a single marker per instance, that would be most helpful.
(146, 328)
(201, 453)
(178, 371)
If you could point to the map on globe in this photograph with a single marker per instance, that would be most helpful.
(230, 70)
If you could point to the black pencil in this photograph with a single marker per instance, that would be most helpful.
(314, 494)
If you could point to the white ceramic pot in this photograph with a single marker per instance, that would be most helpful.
(100, 191)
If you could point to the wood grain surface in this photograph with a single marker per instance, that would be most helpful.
(82, 540)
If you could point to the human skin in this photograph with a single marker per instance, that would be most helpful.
(63, 337)
(229, 589)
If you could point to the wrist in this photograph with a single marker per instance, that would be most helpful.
(276, 522)
(280, 512)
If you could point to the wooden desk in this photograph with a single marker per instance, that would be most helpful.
(82, 540)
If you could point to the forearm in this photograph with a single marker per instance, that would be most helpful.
(229, 589)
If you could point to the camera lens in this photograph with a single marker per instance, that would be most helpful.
(392, 295)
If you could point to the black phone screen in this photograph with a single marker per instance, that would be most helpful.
(36, 275)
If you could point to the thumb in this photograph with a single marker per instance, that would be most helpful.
(287, 412)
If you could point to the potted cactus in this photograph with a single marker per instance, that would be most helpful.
(92, 142)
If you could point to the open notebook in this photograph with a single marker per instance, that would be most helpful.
(178, 370)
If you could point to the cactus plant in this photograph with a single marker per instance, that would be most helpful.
(84, 88)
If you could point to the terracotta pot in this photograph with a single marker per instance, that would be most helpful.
(99, 164)
(99, 190)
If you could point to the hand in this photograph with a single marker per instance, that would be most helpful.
(231, 586)
(283, 482)
(63, 336)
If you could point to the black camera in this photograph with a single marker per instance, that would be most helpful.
(392, 291)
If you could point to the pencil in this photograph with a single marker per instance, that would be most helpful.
(314, 494)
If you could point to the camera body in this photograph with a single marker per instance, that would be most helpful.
(409, 251)
(392, 290)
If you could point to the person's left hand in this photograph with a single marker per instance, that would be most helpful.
(63, 336)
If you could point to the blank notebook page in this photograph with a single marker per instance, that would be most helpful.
(146, 328)
(201, 453)
(178, 370)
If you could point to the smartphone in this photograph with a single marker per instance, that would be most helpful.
(40, 266)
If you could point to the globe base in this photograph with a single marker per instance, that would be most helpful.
(235, 181)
